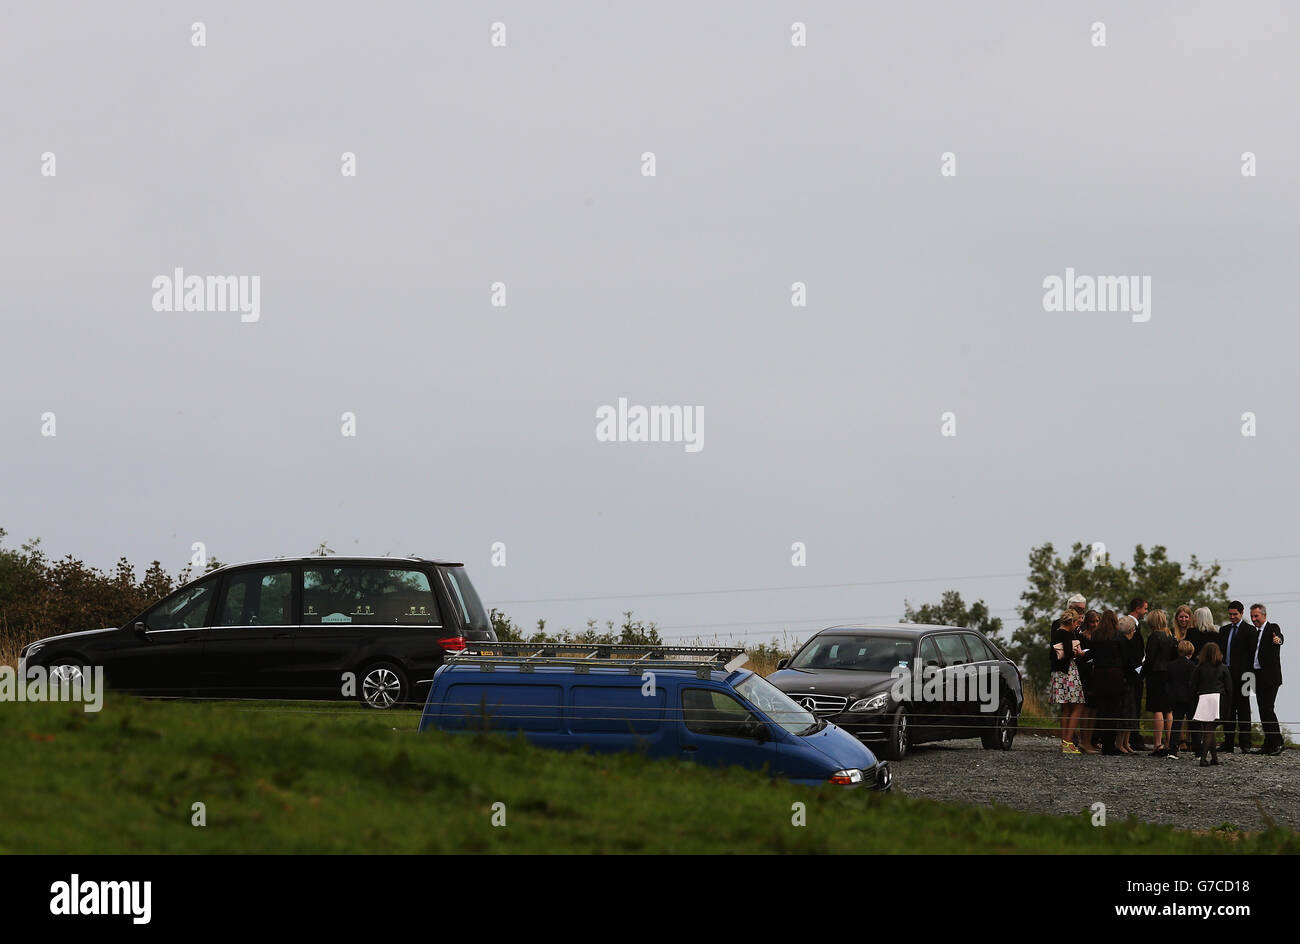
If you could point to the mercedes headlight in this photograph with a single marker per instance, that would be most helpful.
(871, 702)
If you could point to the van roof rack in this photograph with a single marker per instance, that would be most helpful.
(527, 656)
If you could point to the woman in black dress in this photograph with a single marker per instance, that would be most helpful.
(1161, 650)
(1107, 656)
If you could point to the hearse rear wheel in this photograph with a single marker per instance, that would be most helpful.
(383, 686)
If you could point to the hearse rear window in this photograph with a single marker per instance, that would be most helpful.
(359, 593)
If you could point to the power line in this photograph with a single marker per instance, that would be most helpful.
(891, 617)
(807, 586)
(834, 586)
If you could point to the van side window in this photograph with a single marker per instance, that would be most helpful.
(356, 593)
(705, 711)
(257, 598)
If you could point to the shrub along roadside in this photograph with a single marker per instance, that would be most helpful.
(42, 597)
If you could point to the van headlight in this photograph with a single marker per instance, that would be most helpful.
(871, 702)
(846, 777)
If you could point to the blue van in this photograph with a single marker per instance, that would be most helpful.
(700, 708)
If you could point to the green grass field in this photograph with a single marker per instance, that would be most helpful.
(282, 777)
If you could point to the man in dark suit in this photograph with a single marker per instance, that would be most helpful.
(1239, 653)
(1137, 608)
(1268, 677)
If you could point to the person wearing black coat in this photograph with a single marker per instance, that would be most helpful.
(1213, 685)
(1107, 656)
(1178, 686)
(1267, 666)
(1203, 630)
(1137, 609)
(1239, 639)
(1132, 653)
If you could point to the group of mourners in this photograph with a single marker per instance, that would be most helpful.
(1195, 674)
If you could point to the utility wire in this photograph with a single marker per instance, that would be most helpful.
(833, 586)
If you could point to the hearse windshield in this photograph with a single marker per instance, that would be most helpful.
(776, 704)
(855, 653)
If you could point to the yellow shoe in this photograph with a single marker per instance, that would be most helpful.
(1068, 748)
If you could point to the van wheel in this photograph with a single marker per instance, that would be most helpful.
(1003, 733)
(900, 737)
(383, 685)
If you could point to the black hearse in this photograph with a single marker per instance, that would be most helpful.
(902, 684)
(374, 628)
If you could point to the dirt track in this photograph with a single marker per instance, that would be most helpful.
(1034, 776)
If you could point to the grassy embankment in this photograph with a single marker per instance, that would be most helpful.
(292, 777)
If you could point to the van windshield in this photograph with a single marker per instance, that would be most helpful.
(776, 704)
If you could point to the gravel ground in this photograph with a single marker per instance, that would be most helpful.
(1036, 777)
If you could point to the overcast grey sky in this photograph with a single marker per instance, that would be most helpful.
(775, 164)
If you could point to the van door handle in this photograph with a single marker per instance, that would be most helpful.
(690, 748)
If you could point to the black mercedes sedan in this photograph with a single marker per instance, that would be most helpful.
(370, 628)
(897, 685)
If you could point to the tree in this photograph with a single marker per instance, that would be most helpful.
(1162, 582)
(952, 611)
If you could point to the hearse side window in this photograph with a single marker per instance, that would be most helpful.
(954, 653)
(359, 593)
(257, 598)
(186, 610)
(712, 712)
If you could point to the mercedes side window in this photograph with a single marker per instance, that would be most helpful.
(979, 651)
(257, 598)
(355, 593)
(954, 653)
(930, 653)
(706, 711)
(187, 609)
